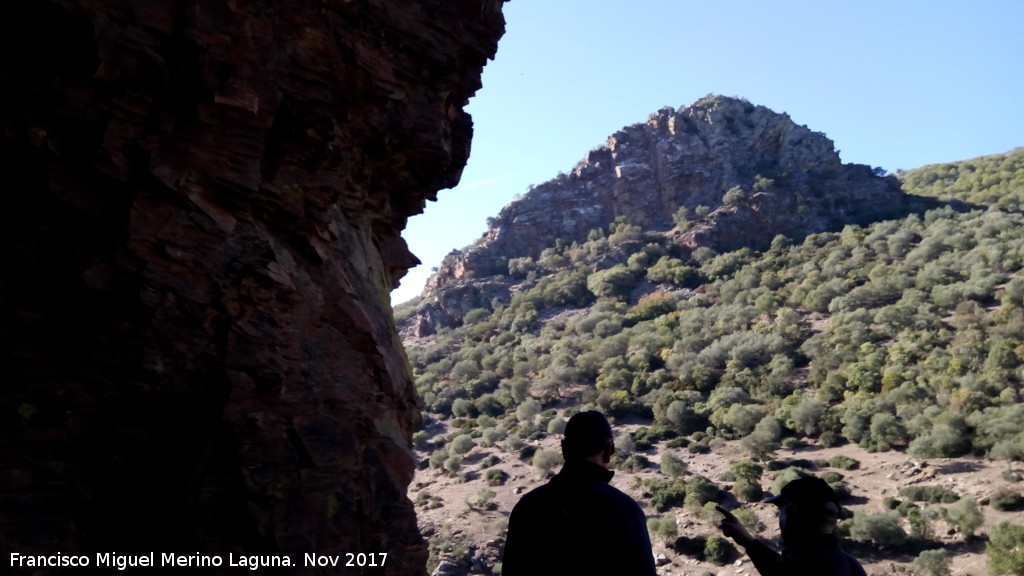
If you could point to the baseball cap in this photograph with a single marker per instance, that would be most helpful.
(806, 491)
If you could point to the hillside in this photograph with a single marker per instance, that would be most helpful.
(722, 173)
(847, 331)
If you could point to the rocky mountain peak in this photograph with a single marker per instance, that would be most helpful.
(743, 172)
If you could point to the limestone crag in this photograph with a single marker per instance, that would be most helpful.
(201, 222)
(745, 173)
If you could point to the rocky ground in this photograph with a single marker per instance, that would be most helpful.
(467, 535)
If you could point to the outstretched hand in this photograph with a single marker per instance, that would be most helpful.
(733, 528)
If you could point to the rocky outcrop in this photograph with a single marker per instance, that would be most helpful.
(745, 173)
(201, 222)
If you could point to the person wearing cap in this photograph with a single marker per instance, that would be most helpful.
(808, 512)
(578, 523)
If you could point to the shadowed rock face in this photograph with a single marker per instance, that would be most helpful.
(200, 227)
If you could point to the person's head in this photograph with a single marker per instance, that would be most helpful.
(807, 506)
(588, 436)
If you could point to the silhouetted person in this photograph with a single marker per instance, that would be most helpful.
(577, 523)
(808, 512)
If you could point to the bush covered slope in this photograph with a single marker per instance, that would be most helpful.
(905, 333)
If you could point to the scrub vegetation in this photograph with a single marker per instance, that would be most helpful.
(903, 335)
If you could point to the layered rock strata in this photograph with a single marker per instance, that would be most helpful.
(201, 222)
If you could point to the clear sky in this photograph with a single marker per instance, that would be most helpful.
(895, 83)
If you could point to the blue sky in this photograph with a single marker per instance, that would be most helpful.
(896, 84)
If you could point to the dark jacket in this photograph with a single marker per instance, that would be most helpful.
(577, 524)
(817, 556)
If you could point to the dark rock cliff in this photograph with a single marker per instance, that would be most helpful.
(783, 177)
(202, 204)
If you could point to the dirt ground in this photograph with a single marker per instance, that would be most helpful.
(447, 514)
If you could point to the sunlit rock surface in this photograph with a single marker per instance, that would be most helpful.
(785, 179)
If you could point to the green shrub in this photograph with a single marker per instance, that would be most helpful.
(919, 527)
(624, 445)
(545, 461)
(718, 550)
(513, 443)
(496, 477)
(491, 460)
(673, 271)
(965, 515)
(843, 462)
(699, 447)
(556, 426)
(437, 458)
(699, 491)
(678, 442)
(651, 306)
(883, 529)
(633, 463)
(528, 410)
(484, 500)
(747, 490)
(666, 494)
(453, 463)
(734, 195)
(663, 527)
(420, 439)
(493, 435)
(615, 282)
(461, 444)
(764, 439)
(1005, 549)
(932, 563)
(747, 470)
(929, 494)
(791, 443)
(671, 465)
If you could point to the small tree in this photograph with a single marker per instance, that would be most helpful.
(764, 439)
(748, 480)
